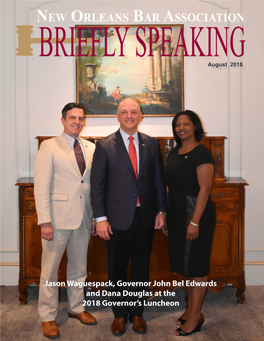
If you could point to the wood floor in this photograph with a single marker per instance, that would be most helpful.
(225, 320)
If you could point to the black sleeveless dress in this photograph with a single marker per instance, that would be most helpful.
(188, 258)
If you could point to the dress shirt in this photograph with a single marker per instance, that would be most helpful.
(71, 143)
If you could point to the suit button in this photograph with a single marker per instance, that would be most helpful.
(82, 181)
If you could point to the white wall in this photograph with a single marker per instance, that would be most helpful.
(34, 90)
(252, 119)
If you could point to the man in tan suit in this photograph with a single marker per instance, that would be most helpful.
(63, 204)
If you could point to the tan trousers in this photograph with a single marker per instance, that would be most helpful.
(76, 242)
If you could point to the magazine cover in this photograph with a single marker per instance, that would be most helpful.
(132, 65)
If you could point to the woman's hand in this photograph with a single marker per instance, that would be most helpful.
(165, 230)
(192, 232)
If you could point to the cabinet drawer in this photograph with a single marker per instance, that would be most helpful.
(228, 206)
(225, 193)
(29, 193)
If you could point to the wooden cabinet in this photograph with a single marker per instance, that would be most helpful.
(227, 256)
(30, 248)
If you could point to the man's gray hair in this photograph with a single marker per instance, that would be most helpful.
(131, 99)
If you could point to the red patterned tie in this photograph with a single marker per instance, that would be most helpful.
(133, 157)
(79, 156)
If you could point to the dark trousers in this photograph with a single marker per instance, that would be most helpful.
(133, 244)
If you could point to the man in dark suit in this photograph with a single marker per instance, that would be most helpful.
(129, 201)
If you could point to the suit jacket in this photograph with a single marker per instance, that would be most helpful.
(62, 195)
(114, 186)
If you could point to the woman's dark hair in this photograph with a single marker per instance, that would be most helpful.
(198, 133)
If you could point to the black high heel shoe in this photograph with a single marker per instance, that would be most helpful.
(196, 329)
(181, 320)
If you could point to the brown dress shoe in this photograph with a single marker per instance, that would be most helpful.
(84, 317)
(139, 324)
(50, 329)
(118, 326)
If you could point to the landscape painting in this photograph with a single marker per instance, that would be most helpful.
(140, 62)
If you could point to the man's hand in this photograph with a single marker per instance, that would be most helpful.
(160, 221)
(47, 231)
(103, 228)
(94, 228)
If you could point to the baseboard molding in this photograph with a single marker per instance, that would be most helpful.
(9, 264)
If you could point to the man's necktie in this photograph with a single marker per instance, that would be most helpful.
(79, 156)
(133, 157)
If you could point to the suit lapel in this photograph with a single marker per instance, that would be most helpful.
(87, 154)
(142, 152)
(70, 153)
(120, 146)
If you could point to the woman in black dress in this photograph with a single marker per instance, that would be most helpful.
(191, 217)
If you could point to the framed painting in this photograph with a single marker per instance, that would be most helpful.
(140, 62)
